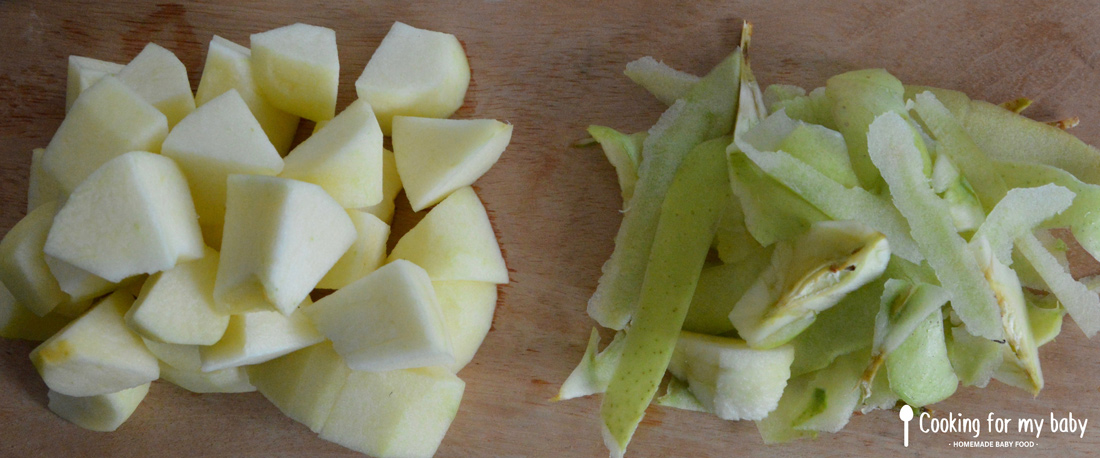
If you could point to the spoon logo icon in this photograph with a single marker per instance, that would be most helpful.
(906, 415)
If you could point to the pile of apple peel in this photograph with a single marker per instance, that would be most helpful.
(792, 258)
(181, 236)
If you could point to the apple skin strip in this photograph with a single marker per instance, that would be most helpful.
(893, 149)
(705, 113)
(688, 220)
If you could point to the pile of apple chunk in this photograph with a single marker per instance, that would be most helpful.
(179, 236)
(874, 243)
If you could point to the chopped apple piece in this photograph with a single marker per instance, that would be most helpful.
(344, 158)
(304, 384)
(78, 283)
(23, 268)
(177, 305)
(16, 322)
(83, 73)
(415, 72)
(401, 413)
(297, 69)
(468, 308)
(132, 216)
(455, 241)
(391, 186)
(184, 357)
(97, 353)
(43, 187)
(366, 254)
(230, 380)
(281, 236)
(385, 321)
(229, 66)
(103, 413)
(218, 139)
(256, 337)
(161, 79)
(437, 156)
(108, 120)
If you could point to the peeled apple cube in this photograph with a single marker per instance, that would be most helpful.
(728, 377)
(467, 308)
(229, 66)
(455, 241)
(231, 380)
(437, 156)
(297, 69)
(402, 413)
(218, 139)
(97, 353)
(16, 322)
(304, 384)
(344, 158)
(43, 187)
(281, 236)
(83, 73)
(366, 254)
(161, 79)
(108, 120)
(78, 283)
(391, 186)
(177, 305)
(386, 321)
(415, 72)
(132, 216)
(103, 413)
(23, 268)
(807, 276)
(184, 357)
(255, 337)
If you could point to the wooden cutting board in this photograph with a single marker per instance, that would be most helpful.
(552, 68)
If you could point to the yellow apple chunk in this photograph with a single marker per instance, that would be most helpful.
(218, 139)
(231, 380)
(229, 66)
(402, 413)
(43, 187)
(103, 413)
(97, 353)
(83, 73)
(78, 283)
(344, 158)
(468, 308)
(23, 268)
(391, 186)
(159, 77)
(455, 241)
(415, 72)
(297, 69)
(107, 120)
(385, 321)
(366, 254)
(177, 305)
(132, 216)
(437, 156)
(255, 337)
(16, 322)
(303, 384)
(281, 236)
(184, 357)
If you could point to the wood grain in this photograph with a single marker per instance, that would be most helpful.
(551, 68)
